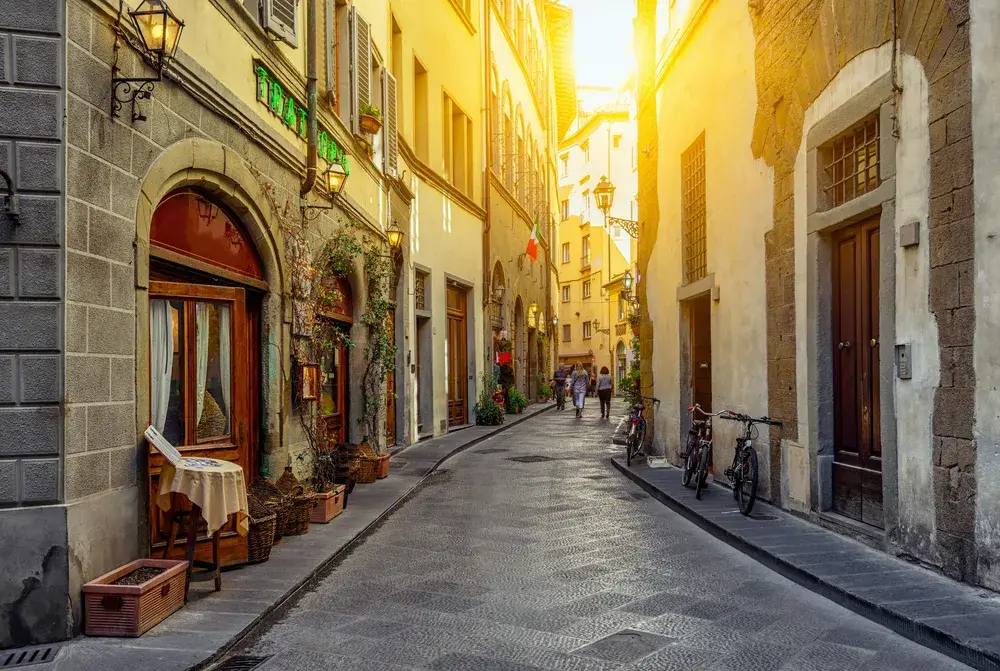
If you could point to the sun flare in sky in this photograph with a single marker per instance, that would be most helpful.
(604, 55)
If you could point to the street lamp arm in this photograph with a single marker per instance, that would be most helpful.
(630, 226)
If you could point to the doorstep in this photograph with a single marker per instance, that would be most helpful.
(212, 623)
(958, 620)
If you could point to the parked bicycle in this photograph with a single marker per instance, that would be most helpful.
(637, 428)
(698, 451)
(743, 473)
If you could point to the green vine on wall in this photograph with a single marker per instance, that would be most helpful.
(380, 349)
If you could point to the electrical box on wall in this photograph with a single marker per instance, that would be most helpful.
(909, 234)
(904, 368)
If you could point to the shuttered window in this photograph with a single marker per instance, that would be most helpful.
(281, 18)
(390, 129)
(361, 59)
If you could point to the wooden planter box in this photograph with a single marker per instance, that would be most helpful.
(132, 610)
(327, 505)
(382, 468)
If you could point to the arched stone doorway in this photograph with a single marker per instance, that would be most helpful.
(206, 285)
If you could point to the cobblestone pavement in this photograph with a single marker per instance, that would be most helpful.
(530, 552)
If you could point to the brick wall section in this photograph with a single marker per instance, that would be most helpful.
(801, 45)
(31, 258)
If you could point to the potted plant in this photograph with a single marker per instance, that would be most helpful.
(634, 321)
(516, 401)
(133, 598)
(489, 410)
(370, 119)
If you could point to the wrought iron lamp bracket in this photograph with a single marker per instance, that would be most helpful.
(630, 226)
(129, 91)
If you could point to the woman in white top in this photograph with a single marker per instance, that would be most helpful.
(579, 383)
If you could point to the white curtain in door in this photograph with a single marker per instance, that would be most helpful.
(201, 337)
(161, 360)
(224, 353)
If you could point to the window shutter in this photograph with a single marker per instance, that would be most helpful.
(390, 138)
(281, 18)
(361, 68)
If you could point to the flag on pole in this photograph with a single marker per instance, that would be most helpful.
(533, 242)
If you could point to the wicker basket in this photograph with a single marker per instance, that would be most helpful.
(275, 501)
(261, 537)
(213, 421)
(297, 522)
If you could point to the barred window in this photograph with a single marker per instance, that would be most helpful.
(695, 253)
(851, 162)
(420, 290)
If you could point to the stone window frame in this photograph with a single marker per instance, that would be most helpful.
(820, 225)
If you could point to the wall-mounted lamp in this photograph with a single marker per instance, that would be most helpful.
(533, 308)
(555, 321)
(336, 178)
(396, 236)
(160, 32)
(11, 205)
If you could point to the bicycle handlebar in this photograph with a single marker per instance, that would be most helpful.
(740, 417)
(698, 408)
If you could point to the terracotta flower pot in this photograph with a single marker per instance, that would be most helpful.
(369, 124)
(132, 610)
(327, 505)
(382, 468)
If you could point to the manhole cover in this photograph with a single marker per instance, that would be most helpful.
(15, 659)
(597, 477)
(764, 518)
(530, 459)
(242, 663)
(492, 450)
(632, 496)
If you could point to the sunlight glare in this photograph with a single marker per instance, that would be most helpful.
(603, 36)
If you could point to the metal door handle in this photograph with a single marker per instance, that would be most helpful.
(844, 345)
(874, 342)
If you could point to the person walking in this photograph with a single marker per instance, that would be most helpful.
(559, 384)
(578, 384)
(604, 392)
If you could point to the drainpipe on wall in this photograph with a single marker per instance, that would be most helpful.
(487, 163)
(311, 132)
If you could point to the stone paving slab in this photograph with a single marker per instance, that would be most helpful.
(211, 622)
(928, 608)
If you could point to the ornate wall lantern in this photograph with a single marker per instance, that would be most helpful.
(160, 32)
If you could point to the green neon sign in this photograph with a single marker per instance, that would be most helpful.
(293, 114)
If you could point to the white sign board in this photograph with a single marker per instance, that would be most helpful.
(160, 443)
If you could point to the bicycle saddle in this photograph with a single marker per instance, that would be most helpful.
(698, 423)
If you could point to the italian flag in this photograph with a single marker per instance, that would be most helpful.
(533, 242)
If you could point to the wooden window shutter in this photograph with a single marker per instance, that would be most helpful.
(390, 138)
(361, 68)
(281, 18)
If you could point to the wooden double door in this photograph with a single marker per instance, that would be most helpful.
(457, 357)
(857, 465)
(204, 392)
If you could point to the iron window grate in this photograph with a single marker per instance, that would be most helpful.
(852, 162)
(419, 291)
(22, 657)
(693, 211)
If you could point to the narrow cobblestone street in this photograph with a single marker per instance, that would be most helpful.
(530, 552)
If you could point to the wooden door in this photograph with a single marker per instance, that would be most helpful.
(701, 352)
(458, 369)
(857, 466)
(203, 394)
(419, 368)
(390, 388)
(333, 394)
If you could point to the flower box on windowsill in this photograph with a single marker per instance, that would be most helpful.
(327, 505)
(382, 468)
(369, 124)
(132, 610)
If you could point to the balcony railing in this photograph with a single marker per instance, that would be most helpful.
(620, 329)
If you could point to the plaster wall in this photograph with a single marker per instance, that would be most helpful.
(509, 71)
(446, 238)
(986, 147)
(714, 77)
(909, 466)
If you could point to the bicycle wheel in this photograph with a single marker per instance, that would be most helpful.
(629, 445)
(701, 475)
(690, 465)
(747, 480)
(640, 435)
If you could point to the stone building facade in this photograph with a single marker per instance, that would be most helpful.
(886, 419)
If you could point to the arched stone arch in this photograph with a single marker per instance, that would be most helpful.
(222, 174)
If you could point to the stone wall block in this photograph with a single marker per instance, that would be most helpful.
(962, 366)
(88, 379)
(75, 434)
(86, 474)
(958, 453)
(29, 431)
(89, 179)
(41, 16)
(39, 272)
(8, 481)
(3, 59)
(956, 327)
(76, 328)
(110, 426)
(77, 122)
(186, 106)
(41, 378)
(40, 114)
(40, 222)
(37, 60)
(88, 78)
(40, 480)
(78, 23)
(88, 279)
(939, 135)
(954, 412)
(7, 381)
(125, 197)
(143, 153)
(123, 379)
(30, 326)
(110, 331)
(6, 272)
(952, 243)
(124, 467)
(965, 283)
(122, 287)
(77, 223)
(39, 167)
(951, 168)
(111, 139)
(110, 236)
(960, 124)
(956, 54)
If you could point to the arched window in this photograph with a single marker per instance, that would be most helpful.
(519, 176)
(508, 138)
